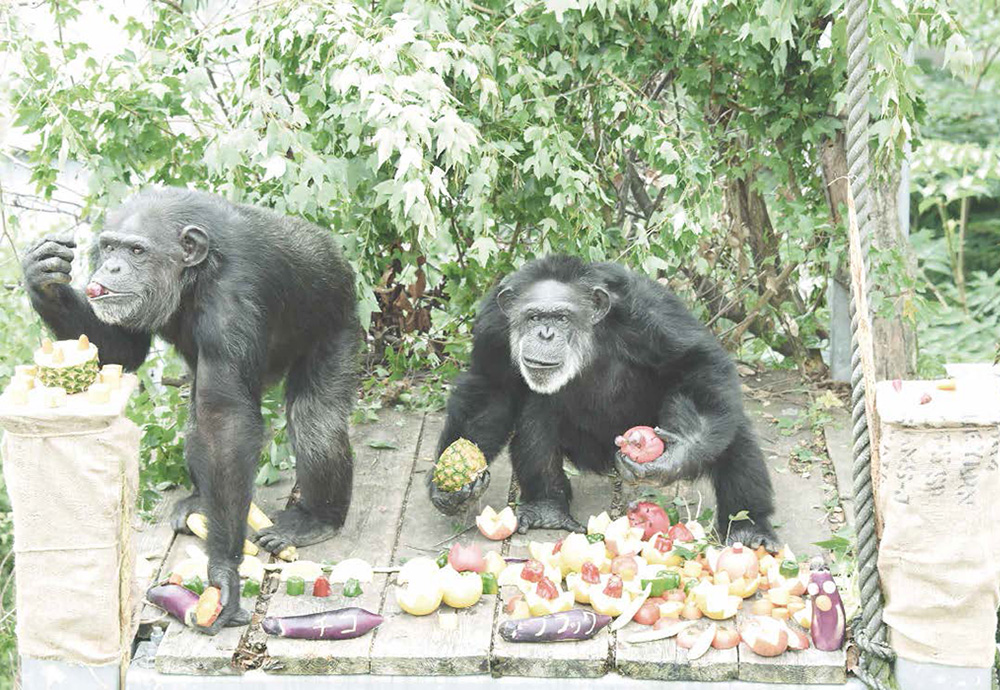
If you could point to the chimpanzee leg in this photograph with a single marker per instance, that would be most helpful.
(537, 459)
(741, 482)
(320, 394)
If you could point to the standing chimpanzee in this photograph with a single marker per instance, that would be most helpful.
(567, 355)
(246, 296)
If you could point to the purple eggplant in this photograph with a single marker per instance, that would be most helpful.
(339, 624)
(176, 600)
(576, 624)
(829, 621)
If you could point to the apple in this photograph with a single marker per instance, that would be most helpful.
(625, 567)
(463, 558)
(497, 526)
(766, 636)
(726, 638)
(421, 597)
(461, 590)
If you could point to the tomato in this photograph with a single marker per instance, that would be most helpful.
(647, 614)
(662, 544)
(545, 589)
(680, 532)
(614, 587)
(533, 571)
(558, 547)
(590, 574)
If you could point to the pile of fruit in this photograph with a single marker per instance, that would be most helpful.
(63, 368)
(656, 570)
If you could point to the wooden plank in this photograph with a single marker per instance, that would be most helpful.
(187, 652)
(808, 667)
(663, 659)
(418, 645)
(153, 541)
(592, 494)
(381, 478)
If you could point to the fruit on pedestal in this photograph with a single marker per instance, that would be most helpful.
(68, 364)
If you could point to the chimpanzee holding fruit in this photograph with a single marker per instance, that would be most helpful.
(246, 296)
(566, 355)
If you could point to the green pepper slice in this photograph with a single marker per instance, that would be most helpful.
(251, 588)
(295, 586)
(594, 538)
(442, 559)
(489, 583)
(664, 581)
(788, 568)
(195, 585)
(352, 588)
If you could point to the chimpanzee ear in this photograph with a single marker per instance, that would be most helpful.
(194, 244)
(505, 298)
(602, 304)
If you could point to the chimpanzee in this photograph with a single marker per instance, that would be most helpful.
(246, 296)
(567, 355)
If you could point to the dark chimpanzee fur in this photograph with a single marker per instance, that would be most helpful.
(246, 296)
(598, 349)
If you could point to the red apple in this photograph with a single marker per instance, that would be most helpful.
(497, 526)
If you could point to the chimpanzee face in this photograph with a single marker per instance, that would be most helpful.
(551, 330)
(139, 279)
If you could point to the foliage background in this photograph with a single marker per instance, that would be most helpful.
(444, 143)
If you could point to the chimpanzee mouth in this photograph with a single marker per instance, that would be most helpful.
(531, 363)
(96, 292)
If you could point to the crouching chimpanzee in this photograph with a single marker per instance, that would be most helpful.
(566, 356)
(246, 296)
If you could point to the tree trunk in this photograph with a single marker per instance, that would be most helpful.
(894, 337)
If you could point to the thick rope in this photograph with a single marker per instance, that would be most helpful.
(874, 666)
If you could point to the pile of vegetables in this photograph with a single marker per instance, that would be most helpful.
(650, 568)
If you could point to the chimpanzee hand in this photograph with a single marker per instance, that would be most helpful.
(450, 502)
(546, 513)
(753, 535)
(227, 579)
(48, 264)
(669, 467)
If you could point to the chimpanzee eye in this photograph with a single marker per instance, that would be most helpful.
(137, 250)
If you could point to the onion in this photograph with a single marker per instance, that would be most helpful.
(738, 562)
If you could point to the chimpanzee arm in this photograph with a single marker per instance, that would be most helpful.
(482, 406)
(698, 421)
(223, 449)
(538, 466)
(67, 313)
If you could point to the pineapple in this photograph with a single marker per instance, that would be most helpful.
(68, 364)
(459, 464)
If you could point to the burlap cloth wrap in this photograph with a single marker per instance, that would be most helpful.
(939, 498)
(72, 479)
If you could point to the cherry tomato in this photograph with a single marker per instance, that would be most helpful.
(533, 571)
(614, 587)
(647, 614)
(590, 573)
(680, 532)
(662, 544)
(545, 589)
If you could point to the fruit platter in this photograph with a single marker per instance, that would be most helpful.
(66, 378)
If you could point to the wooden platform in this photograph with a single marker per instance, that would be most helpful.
(392, 520)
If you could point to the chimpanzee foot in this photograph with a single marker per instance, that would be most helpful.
(183, 508)
(232, 615)
(754, 535)
(294, 526)
(546, 513)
